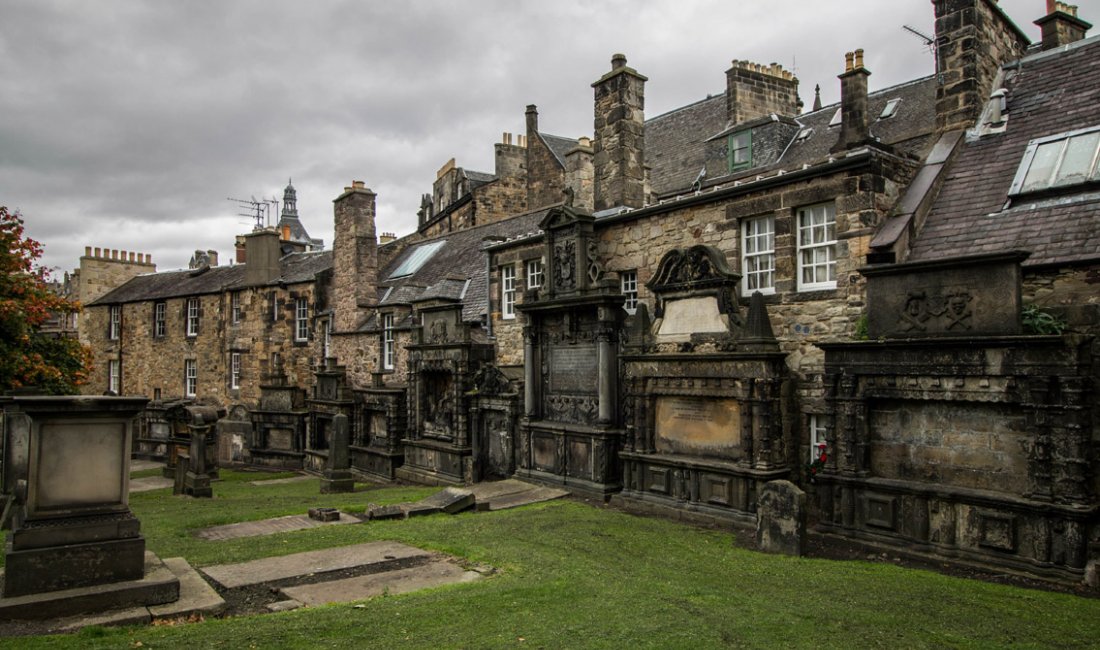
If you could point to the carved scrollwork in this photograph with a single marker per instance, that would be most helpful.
(951, 309)
(565, 264)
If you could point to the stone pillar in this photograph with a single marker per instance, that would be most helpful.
(337, 475)
(530, 371)
(606, 365)
(619, 148)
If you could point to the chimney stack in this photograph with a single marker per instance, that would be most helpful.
(754, 90)
(619, 148)
(1061, 26)
(853, 103)
(354, 255)
(262, 253)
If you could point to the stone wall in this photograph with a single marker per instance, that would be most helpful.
(545, 175)
(103, 270)
(754, 90)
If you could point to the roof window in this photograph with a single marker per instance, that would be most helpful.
(416, 258)
(1057, 161)
(804, 133)
(836, 118)
(889, 110)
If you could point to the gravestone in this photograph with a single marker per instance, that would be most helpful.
(337, 476)
(196, 481)
(781, 519)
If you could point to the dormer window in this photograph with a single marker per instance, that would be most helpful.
(1057, 161)
(740, 150)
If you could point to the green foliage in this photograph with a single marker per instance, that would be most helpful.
(571, 575)
(861, 333)
(1037, 321)
(27, 356)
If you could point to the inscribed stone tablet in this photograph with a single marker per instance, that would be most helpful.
(573, 369)
(80, 463)
(696, 425)
(692, 316)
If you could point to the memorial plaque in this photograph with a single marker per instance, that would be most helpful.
(692, 316)
(280, 439)
(695, 425)
(573, 369)
(79, 464)
(378, 424)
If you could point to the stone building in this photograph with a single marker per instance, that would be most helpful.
(677, 310)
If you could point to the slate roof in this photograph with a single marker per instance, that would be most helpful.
(296, 267)
(558, 145)
(445, 274)
(1048, 93)
(676, 141)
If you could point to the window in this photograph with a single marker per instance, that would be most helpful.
(1058, 161)
(890, 109)
(418, 256)
(326, 340)
(534, 274)
(740, 150)
(628, 285)
(235, 307)
(387, 341)
(301, 319)
(190, 378)
(274, 307)
(160, 312)
(114, 323)
(507, 292)
(817, 437)
(817, 247)
(114, 376)
(234, 370)
(758, 255)
(192, 317)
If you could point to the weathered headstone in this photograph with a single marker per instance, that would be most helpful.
(781, 518)
(337, 476)
(196, 482)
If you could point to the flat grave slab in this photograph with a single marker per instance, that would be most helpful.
(268, 527)
(148, 483)
(400, 581)
(380, 555)
(283, 481)
(140, 465)
(196, 595)
(527, 497)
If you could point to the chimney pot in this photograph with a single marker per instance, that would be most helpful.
(358, 184)
(87, 251)
(133, 256)
(98, 252)
(848, 58)
(618, 61)
(859, 58)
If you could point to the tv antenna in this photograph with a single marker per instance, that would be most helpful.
(931, 43)
(257, 210)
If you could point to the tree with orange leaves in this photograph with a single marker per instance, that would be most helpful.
(28, 357)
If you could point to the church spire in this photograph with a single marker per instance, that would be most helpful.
(290, 200)
(817, 97)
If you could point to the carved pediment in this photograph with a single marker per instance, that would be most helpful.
(489, 380)
(697, 267)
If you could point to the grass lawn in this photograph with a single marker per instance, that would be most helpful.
(572, 575)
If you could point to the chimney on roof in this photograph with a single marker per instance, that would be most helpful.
(853, 103)
(619, 147)
(262, 253)
(511, 159)
(1061, 26)
(754, 90)
(354, 255)
(212, 256)
(386, 238)
(974, 39)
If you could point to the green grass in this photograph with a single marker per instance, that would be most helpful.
(572, 575)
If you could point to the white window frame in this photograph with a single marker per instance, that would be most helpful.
(387, 342)
(326, 340)
(160, 319)
(274, 307)
(758, 255)
(192, 317)
(628, 286)
(235, 306)
(301, 319)
(508, 291)
(1057, 145)
(114, 323)
(817, 436)
(234, 370)
(816, 228)
(190, 378)
(114, 376)
(534, 274)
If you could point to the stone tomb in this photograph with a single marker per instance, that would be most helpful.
(703, 394)
(73, 528)
(278, 425)
(442, 363)
(330, 398)
(571, 429)
(376, 450)
(956, 444)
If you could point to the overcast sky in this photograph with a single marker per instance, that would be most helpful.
(127, 124)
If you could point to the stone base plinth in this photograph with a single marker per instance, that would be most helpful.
(53, 568)
(154, 585)
(337, 481)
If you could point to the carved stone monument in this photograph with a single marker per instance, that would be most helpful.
(337, 476)
(781, 519)
(70, 464)
(704, 394)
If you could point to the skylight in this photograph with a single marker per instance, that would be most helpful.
(416, 259)
(1058, 161)
(836, 118)
(890, 108)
